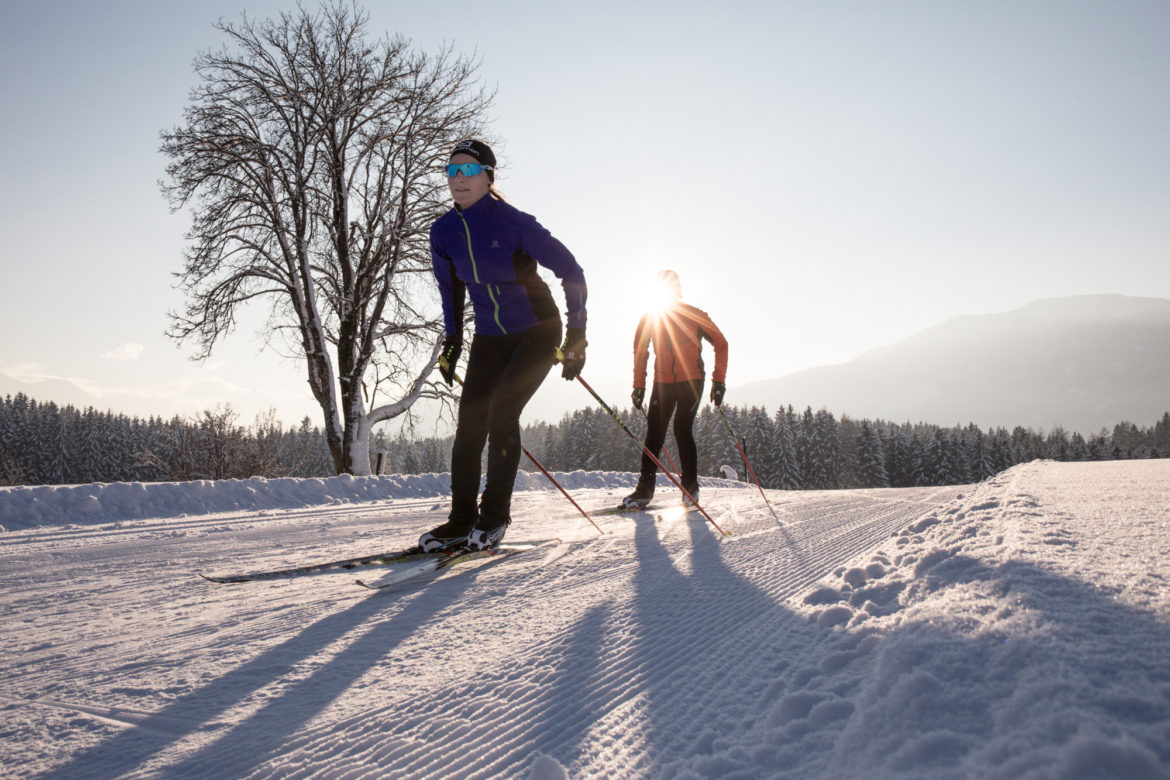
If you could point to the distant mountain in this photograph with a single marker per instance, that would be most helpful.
(59, 391)
(1084, 363)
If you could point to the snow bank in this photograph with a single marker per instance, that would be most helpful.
(99, 503)
(1007, 634)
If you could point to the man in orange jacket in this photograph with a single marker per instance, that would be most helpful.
(676, 332)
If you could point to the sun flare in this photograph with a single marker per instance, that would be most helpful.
(659, 299)
(663, 293)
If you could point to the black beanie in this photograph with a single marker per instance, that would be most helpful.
(481, 152)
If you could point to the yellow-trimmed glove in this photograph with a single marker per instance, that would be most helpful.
(449, 358)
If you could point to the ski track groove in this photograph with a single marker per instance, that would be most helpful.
(608, 661)
(482, 719)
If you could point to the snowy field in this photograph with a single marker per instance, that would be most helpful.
(1019, 628)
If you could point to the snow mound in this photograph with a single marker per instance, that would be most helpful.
(978, 633)
(102, 503)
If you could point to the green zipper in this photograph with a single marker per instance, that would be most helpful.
(475, 274)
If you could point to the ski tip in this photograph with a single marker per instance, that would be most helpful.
(372, 584)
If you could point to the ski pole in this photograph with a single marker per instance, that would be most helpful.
(673, 465)
(651, 455)
(544, 471)
(743, 454)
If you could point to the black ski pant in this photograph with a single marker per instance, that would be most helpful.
(503, 373)
(680, 399)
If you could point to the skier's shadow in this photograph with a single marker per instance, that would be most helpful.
(262, 734)
(687, 623)
(694, 694)
(660, 659)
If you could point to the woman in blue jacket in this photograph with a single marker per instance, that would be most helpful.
(488, 250)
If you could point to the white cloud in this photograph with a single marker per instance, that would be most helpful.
(25, 372)
(128, 351)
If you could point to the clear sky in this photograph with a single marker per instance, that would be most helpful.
(826, 177)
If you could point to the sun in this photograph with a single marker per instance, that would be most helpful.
(663, 293)
(659, 299)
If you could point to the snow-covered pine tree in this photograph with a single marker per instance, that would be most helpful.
(1099, 448)
(848, 439)
(615, 448)
(871, 460)
(784, 470)
(1078, 449)
(759, 433)
(982, 463)
(718, 444)
(805, 437)
(822, 455)
(896, 447)
(1161, 437)
(918, 461)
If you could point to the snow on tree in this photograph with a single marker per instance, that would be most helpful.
(871, 460)
(758, 432)
(784, 471)
(917, 461)
(818, 450)
(982, 464)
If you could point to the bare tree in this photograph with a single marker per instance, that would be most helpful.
(310, 160)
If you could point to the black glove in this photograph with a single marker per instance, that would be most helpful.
(638, 396)
(573, 353)
(449, 358)
(717, 391)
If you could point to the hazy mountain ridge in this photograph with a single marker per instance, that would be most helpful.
(1084, 363)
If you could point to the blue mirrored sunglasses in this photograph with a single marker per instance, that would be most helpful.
(467, 169)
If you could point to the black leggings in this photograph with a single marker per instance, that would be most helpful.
(503, 373)
(682, 400)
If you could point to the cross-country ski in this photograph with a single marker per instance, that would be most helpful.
(439, 562)
(379, 559)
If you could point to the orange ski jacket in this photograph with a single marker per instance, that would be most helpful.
(677, 334)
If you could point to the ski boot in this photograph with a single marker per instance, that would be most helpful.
(639, 499)
(488, 532)
(448, 537)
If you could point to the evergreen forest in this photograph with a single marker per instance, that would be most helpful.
(42, 443)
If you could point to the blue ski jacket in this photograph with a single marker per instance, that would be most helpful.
(490, 250)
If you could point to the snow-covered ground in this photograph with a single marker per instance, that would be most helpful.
(1015, 628)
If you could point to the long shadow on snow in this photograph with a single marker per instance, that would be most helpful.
(920, 700)
(680, 625)
(953, 699)
(251, 742)
(972, 699)
(690, 625)
(675, 627)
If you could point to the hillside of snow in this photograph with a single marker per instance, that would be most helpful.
(1015, 628)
